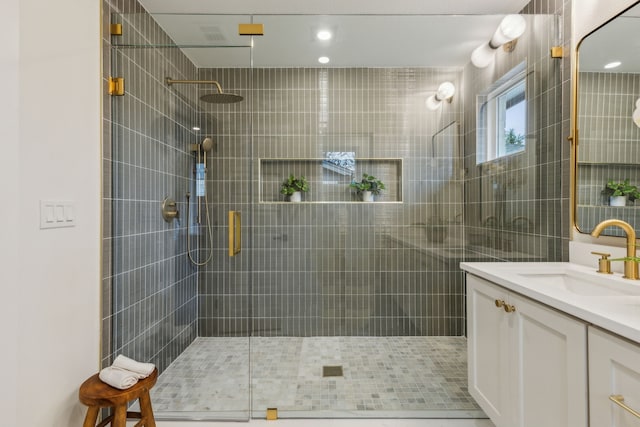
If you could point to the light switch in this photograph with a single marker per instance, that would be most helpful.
(49, 214)
(57, 214)
(68, 213)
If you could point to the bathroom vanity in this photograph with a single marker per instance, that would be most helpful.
(553, 344)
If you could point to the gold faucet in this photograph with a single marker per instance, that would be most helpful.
(630, 267)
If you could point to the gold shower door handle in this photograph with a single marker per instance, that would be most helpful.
(235, 233)
(619, 400)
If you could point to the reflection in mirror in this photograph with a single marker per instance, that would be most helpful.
(608, 152)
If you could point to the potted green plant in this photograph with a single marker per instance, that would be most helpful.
(294, 187)
(368, 187)
(620, 191)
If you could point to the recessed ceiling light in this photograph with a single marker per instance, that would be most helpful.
(195, 128)
(323, 60)
(611, 65)
(324, 35)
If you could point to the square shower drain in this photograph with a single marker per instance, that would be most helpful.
(332, 371)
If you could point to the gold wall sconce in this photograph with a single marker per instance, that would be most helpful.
(445, 93)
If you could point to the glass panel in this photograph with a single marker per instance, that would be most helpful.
(355, 309)
(355, 303)
(179, 301)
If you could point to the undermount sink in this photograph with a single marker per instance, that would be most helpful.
(584, 285)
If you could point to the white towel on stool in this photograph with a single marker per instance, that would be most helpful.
(142, 370)
(118, 378)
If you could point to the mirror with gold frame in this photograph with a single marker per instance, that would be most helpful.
(607, 136)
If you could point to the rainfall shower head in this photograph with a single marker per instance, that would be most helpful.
(214, 98)
(221, 98)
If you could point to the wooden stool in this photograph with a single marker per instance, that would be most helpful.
(96, 394)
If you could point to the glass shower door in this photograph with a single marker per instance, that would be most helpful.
(192, 321)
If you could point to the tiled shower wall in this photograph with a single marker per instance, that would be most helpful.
(516, 208)
(608, 146)
(327, 267)
(149, 288)
(385, 268)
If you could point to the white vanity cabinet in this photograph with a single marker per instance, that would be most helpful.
(527, 362)
(614, 372)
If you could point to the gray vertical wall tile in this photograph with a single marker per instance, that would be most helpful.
(316, 269)
(513, 205)
(151, 311)
(337, 268)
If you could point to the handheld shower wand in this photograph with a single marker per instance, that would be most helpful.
(201, 193)
(201, 173)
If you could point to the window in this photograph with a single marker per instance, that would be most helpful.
(502, 117)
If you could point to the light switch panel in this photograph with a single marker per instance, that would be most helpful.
(57, 214)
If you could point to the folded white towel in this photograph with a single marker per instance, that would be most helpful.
(118, 378)
(142, 370)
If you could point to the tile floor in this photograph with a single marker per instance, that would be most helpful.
(384, 377)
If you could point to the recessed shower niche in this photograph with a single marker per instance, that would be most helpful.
(329, 177)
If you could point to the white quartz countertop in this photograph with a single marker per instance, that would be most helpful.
(608, 301)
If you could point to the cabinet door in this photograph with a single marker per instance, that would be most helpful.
(550, 361)
(614, 370)
(487, 358)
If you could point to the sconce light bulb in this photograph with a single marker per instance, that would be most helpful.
(636, 117)
(432, 103)
(636, 113)
(511, 27)
(482, 56)
(446, 91)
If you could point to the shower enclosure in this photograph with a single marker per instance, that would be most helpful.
(334, 306)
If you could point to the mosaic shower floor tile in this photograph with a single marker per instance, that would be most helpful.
(417, 375)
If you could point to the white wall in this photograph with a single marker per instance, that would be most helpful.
(9, 213)
(50, 149)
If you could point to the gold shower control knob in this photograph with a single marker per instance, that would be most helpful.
(169, 209)
(500, 303)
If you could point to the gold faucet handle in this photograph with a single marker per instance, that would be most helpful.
(604, 263)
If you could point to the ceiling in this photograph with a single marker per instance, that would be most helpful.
(618, 40)
(425, 33)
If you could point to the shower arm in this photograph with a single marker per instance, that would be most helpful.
(171, 81)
